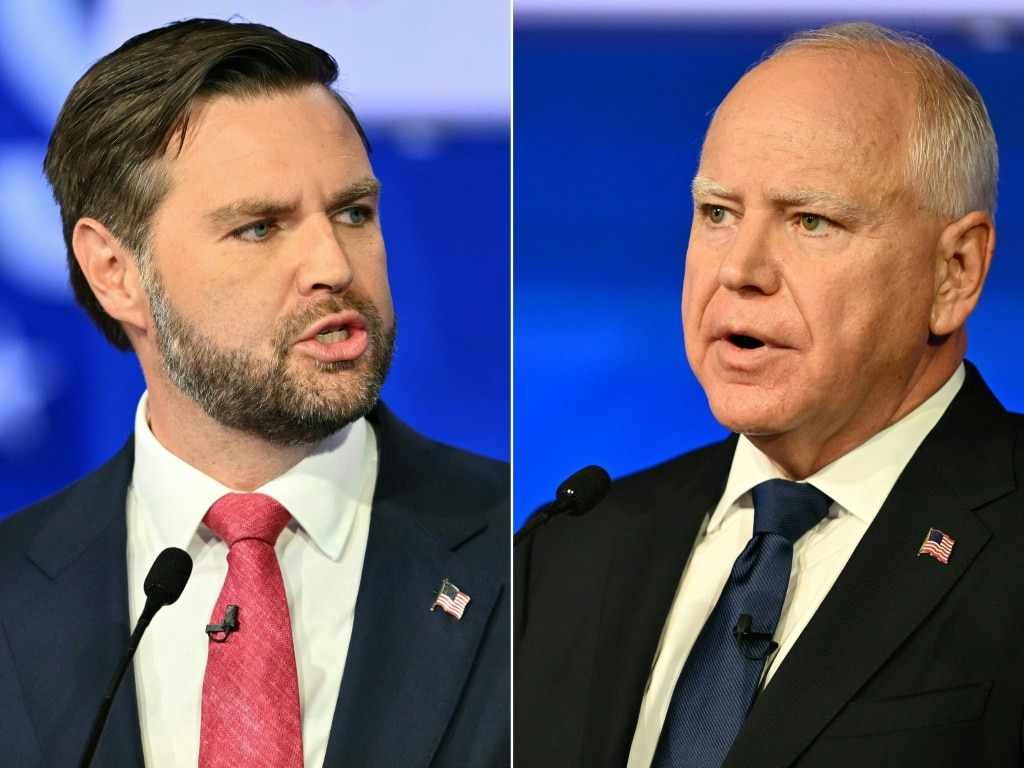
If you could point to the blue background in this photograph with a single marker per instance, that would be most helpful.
(608, 123)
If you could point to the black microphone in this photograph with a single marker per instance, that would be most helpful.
(163, 585)
(580, 493)
(744, 635)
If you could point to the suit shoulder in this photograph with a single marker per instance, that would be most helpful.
(685, 484)
(473, 467)
(81, 496)
(695, 463)
(1017, 419)
(412, 463)
(453, 495)
(40, 541)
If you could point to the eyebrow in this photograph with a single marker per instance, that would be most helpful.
(265, 208)
(703, 186)
(801, 197)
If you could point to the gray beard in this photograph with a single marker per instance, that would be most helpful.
(260, 395)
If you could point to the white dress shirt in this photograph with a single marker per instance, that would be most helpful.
(858, 483)
(329, 495)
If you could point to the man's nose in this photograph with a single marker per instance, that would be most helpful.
(326, 264)
(749, 262)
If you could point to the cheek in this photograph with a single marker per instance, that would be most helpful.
(689, 308)
(868, 326)
(376, 285)
(700, 281)
(241, 303)
(385, 307)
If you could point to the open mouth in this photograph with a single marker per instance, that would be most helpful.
(745, 342)
(333, 335)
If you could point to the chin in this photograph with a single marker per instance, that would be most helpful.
(751, 412)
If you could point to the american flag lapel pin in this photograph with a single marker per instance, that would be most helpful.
(938, 545)
(450, 599)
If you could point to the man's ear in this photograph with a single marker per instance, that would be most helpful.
(111, 273)
(963, 256)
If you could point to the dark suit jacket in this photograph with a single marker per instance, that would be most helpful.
(420, 688)
(908, 662)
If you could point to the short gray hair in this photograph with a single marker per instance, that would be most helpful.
(954, 161)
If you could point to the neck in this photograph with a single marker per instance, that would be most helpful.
(239, 460)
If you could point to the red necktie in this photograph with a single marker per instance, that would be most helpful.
(251, 689)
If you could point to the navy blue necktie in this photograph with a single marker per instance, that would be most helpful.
(721, 676)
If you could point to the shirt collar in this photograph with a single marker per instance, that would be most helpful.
(321, 492)
(858, 482)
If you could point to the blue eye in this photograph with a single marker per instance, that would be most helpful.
(356, 215)
(258, 230)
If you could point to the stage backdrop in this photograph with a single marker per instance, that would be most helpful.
(610, 111)
(431, 85)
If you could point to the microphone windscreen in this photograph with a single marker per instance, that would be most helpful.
(167, 578)
(585, 488)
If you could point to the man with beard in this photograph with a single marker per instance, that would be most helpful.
(838, 583)
(221, 218)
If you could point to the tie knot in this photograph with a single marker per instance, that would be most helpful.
(787, 508)
(238, 516)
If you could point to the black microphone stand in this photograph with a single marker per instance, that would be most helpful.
(163, 585)
(152, 606)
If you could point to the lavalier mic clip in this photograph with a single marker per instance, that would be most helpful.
(228, 625)
(743, 635)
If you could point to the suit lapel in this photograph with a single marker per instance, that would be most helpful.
(650, 550)
(78, 621)
(407, 665)
(880, 598)
(886, 590)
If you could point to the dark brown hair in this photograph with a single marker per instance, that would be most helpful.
(105, 152)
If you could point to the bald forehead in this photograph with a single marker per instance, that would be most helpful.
(880, 81)
(816, 120)
(835, 89)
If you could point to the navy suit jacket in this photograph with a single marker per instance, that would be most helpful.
(907, 662)
(420, 688)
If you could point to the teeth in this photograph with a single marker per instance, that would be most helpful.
(330, 337)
